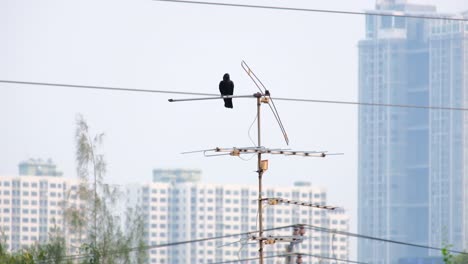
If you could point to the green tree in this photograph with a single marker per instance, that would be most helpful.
(446, 254)
(89, 216)
(449, 258)
(23, 257)
(98, 228)
(460, 259)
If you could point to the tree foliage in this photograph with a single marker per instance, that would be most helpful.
(449, 258)
(104, 241)
(460, 259)
(90, 216)
(52, 252)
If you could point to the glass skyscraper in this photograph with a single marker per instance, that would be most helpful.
(412, 178)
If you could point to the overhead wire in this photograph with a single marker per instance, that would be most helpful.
(280, 255)
(146, 247)
(349, 234)
(329, 11)
(208, 94)
(311, 227)
(121, 89)
(372, 104)
(276, 98)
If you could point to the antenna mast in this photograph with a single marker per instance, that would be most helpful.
(260, 174)
(262, 165)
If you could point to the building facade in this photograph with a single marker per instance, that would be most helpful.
(31, 206)
(412, 180)
(187, 210)
(448, 134)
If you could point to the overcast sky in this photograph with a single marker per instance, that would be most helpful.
(166, 46)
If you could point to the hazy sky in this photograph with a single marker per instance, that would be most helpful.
(165, 46)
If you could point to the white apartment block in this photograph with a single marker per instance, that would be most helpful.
(182, 211)
(31, 207)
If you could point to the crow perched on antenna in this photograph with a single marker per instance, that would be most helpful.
(226, 87)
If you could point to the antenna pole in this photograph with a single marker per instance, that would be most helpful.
(260, 173)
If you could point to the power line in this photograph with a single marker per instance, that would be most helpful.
(104, 88)
(344, 233)
(312, 227)
(141, 248)
(372, 104)
(217, 96)
(389, 14)
(290, 255)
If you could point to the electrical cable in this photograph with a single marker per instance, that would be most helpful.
(315, 228)
(389, 14)
(121, 89)
(249, 259)
(349, 234)
(264, 91)
(246, 159)
(288, 255)
(250, 129)
(141, 248)
(251, 140)
(207, 94)
(243, 242)
(371, 104)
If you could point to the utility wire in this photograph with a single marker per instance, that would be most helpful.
(372, 104)
(311, 227)
(381, 13)
(250, 259)
(290, 255)
(208, 94)
(104, 88)
(141, 248)
(344, 233)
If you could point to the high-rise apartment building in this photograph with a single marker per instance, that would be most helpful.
(38, 167)
(187, 209)
(412, 177)
(448, 133)
(31, 205)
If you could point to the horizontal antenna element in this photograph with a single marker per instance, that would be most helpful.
(275, 201)
(211, 98)
(235, 151)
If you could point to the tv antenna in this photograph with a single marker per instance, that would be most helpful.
(263, 96)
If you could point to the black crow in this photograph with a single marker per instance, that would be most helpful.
(226, 87)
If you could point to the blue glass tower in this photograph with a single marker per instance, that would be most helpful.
(413, 183)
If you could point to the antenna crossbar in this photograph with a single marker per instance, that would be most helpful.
(277, 200)
(262, 150)
(273, 239)
(211, 98)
